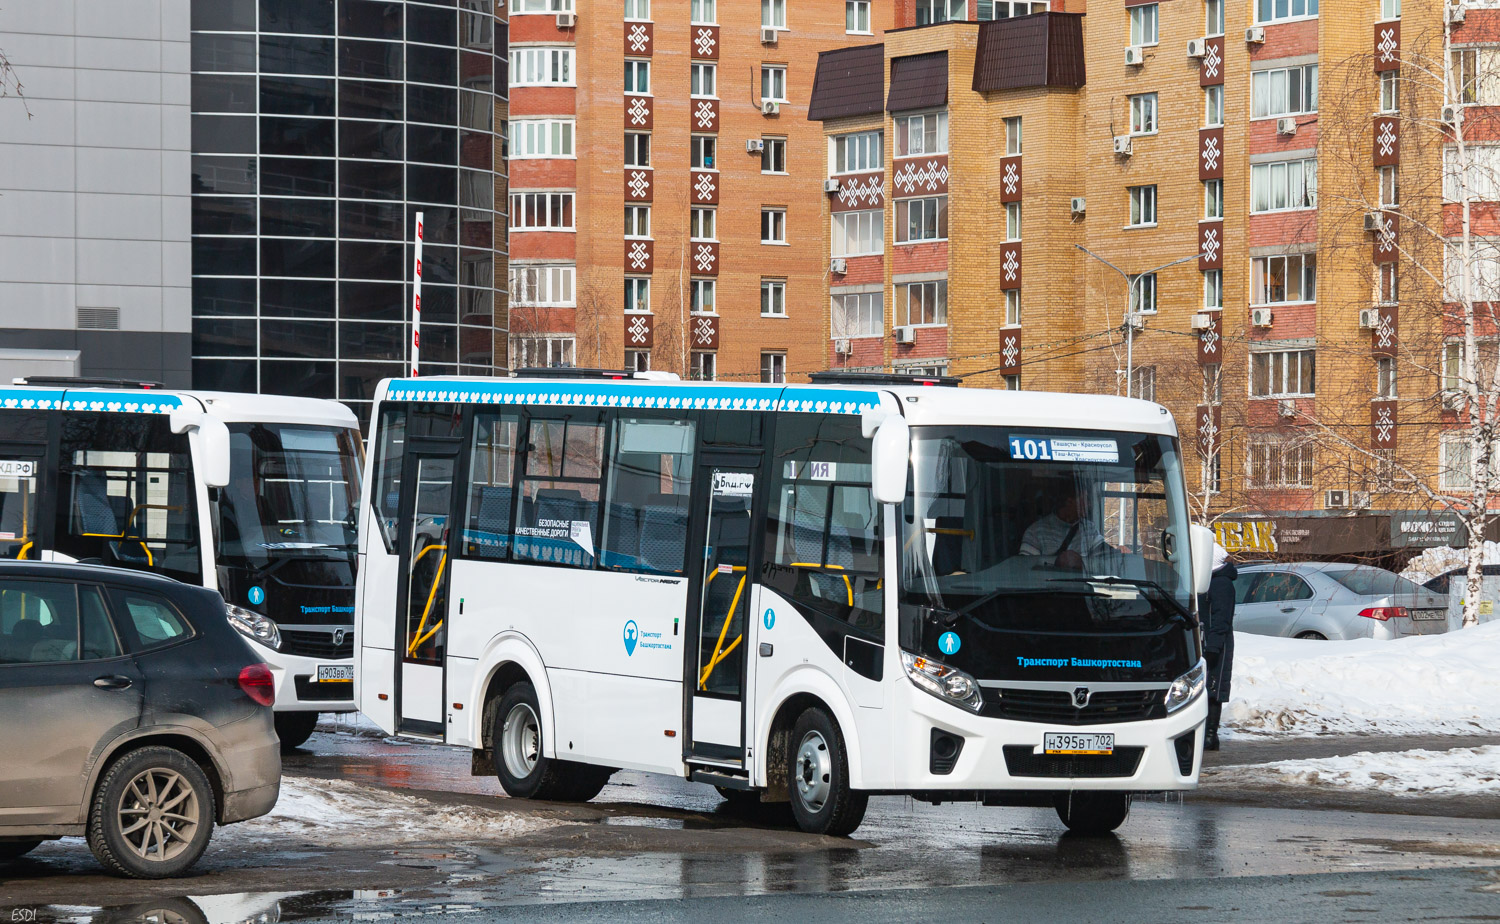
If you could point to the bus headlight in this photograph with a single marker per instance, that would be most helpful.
(942, 681)
(253, 626)
(1186, 688)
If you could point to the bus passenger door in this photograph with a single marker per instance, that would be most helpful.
(422, 624)
(718, 620)
(21, 471)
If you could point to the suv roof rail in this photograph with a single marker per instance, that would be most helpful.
(78, 381)
(882, 378)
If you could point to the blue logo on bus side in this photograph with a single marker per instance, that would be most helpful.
(769, 618)
(256, 594)
(632, 635)
(949, 643)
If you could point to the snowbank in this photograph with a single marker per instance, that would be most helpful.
(337, 813)
(1461, 771)
(1433, 562)
(1438, 684)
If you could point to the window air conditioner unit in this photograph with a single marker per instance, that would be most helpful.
(1374, 221)
(768, 36)
(906, 335)
(1197, 48)
(830, 186)
(1260, 317)
(1286, 126)
(843, 347)
(769, 107)
(567, 20)
(1135, 55)
(1201, 321)
(838, 265)
(1369, 318)
(1335, 498)
(754, 145)
(1122, 145)
(1451, 115)
(1359, 500)
(1255, 35)
(1078, 205)
(1455, 12)
(1286, 408)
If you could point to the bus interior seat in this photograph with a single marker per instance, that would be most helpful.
(95, 509)
(492, 512)
(663, 527)
(622, 536)
(947, 547)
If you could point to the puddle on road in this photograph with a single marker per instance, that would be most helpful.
(238, 908)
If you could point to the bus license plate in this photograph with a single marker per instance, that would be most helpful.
(335, 673)
(1073, 743)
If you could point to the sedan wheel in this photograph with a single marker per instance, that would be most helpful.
(1313, 636)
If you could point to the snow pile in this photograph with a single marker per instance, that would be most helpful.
(1433, 562)
(337, 813)
(1461, 771)
(1436, 684)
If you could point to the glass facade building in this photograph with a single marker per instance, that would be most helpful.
(319, 129)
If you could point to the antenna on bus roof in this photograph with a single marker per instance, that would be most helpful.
(75, 381)
(881, 378)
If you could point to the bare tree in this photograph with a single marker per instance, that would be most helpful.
(10, 83)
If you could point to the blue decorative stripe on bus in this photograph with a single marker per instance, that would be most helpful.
(111, 402)
(638, 395)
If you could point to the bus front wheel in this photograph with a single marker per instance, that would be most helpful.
(524, 773)
(818, 777)
(1086, 812)
(294, 728)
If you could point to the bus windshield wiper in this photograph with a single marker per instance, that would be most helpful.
(1176, 609)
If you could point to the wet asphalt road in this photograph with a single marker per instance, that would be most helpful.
(655, 848)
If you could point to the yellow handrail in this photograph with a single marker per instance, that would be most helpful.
(848, 587)
(419, 638)
(720, 652)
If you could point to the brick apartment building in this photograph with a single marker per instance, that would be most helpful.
(999, 190)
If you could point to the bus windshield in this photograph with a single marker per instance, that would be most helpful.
(293, 492)
(1014, 538)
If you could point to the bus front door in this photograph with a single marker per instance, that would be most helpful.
(422, 630)
(21, 469)
(719, 604)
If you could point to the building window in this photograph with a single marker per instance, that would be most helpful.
(1143, 382)
(1008, 9)
(921, 219)
(1211, 481)
(546, 211)
(702, 224)
(858, 234)
(1013, 136)
(704, 367)
(637, 76)
(1283, 374)
(858, 315)
(704, 79)
(1390, 9)
(773, 368)
(1474, 72)
(540, 66)
(773, 155)
(1455, 474)
(922, 303)
(1284, 91)
(1213, 288)
(926, 133)
(638, 9)
(637, 149)
(1390, 187)
(1213, 383)
(1267, 11)
(541, 138)
(1143, 293)
(1455, 378)
(1387, 284)
(1213, 18)
(638, 360)
(931, 11)
(1012, 221)
(541, 6)
(1280, 462)
(1284, 279)
(542, 286)
(539, 352)
(773, 14)
(1385, 377)
(773, 298)
(704, 12)
(1213, 106)
(1390, 91)
(1012, 382)
(1142, 206)
(1012, 307)
(703, 150)
(858, 153)
(773, 83)
(638, 221)
(704, 292)
(638, 294)
(1213, 199)
(1284, 185)
(1143, 114)
(1143, 24)
(773, 226)
(857, 17)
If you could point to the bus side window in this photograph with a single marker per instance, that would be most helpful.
(650, 476)
(557, 518)
(385, 500)
(492, 494)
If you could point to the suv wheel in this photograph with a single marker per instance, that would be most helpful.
(294, 728)
(14, 850)
(152, 814)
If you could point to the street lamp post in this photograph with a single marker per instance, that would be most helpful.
(1130, 315)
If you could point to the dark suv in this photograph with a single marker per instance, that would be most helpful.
(131, 713)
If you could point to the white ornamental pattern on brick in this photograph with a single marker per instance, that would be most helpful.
(1211, 245)
(1011, 266)
(1208, 340)
(638, 255)
(705, 42)
(638, 183)
(703, 258)
(1011, 350)
(703, 187)
(1387, 45)
(705, 114)
(1208, 432)
(1385, 332)
(637, 38)
(703, 332)
(1011, 178)
(930, 177)
(638, 331)
(1211, 61)
(1385, 139)
(1211, 152)
(1385, 426)
(856, 192)
(638, 111)
(1385, 240)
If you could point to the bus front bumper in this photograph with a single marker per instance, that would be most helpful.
(297, 686)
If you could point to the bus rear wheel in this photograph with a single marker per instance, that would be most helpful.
(818, 778)
(1086, 812)
(524, 773)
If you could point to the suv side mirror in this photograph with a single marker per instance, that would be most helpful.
(209, 440)
(890, 454)
(1203, 557)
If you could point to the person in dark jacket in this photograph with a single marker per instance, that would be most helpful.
(1216, 612)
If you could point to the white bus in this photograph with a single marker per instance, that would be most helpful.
(804, 593)
(250, 495)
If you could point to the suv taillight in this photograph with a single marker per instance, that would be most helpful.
(258, 684)
(1384, 613)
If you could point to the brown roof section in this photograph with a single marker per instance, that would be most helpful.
(848, 83)
(918, 81)
(1041, 50)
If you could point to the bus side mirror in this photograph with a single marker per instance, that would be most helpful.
(889, 456)
(1203, 557)
(209, 439)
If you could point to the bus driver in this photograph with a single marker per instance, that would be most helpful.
(1065, 536)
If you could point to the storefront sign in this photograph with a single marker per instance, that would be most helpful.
(1422, 530)
(1303, 536)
